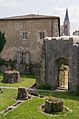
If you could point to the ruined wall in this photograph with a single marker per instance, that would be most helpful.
(57, 48)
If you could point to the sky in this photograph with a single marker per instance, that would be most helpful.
(44, 7)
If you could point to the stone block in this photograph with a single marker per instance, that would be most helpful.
(52, 106)
(22, 93)
(11, 76)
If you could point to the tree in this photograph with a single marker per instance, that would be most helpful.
(2, 41)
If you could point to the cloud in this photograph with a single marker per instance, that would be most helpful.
(8, 3)
(47, 7)
(73, 11)
(74, 17)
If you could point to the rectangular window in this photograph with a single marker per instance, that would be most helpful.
(41, 35)
(22, 57)
(24, 35)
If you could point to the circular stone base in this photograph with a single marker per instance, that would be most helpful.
(53, 106)
(64, 112)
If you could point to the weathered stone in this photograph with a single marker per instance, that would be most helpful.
(48, 106)
(11, 76)
(53, 106)
(22, 93)
(55, 52)
(23, 40)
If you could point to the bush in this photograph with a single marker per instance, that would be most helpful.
(53, 99)
(44, 87)
(7, 63)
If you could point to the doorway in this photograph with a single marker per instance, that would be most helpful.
(63, 73)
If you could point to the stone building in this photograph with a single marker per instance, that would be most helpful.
(55, 52)
(65, 28)
(76, 33)
(24, 36)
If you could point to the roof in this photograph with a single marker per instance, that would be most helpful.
(30, 16)
(66, 16)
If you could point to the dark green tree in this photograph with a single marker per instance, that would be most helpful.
(2, 41)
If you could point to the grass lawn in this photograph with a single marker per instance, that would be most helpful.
(30, 108)
(25, 81)
(6, 98)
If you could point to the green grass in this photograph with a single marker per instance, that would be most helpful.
(25, 81)
(6, 98)
(30, 109)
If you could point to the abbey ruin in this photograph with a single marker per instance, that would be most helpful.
(55, 52)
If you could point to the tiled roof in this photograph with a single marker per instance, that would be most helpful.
(30, 16)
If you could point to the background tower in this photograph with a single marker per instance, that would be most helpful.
(66, 24)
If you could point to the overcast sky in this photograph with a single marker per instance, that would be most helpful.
(45, 7)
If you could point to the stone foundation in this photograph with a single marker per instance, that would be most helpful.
(11, 77)
(52, 106)
(22, 93)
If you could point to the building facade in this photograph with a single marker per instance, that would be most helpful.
(24, 36)
(76, 33)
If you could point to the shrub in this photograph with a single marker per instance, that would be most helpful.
(8, 64)
(44, 87)
(53, 99)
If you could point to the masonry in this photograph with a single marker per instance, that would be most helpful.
(24, 37)
(57, 51)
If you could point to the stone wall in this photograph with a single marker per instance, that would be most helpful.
(33, 43)
(15, 46)
(66, 48)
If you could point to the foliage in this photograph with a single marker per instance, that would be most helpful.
(53, 99)
(2, 41)
(44, 87)
(7, 63)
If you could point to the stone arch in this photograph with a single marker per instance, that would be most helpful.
(60, 50)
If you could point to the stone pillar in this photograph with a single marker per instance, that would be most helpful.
(22, 93)
(40, 71)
